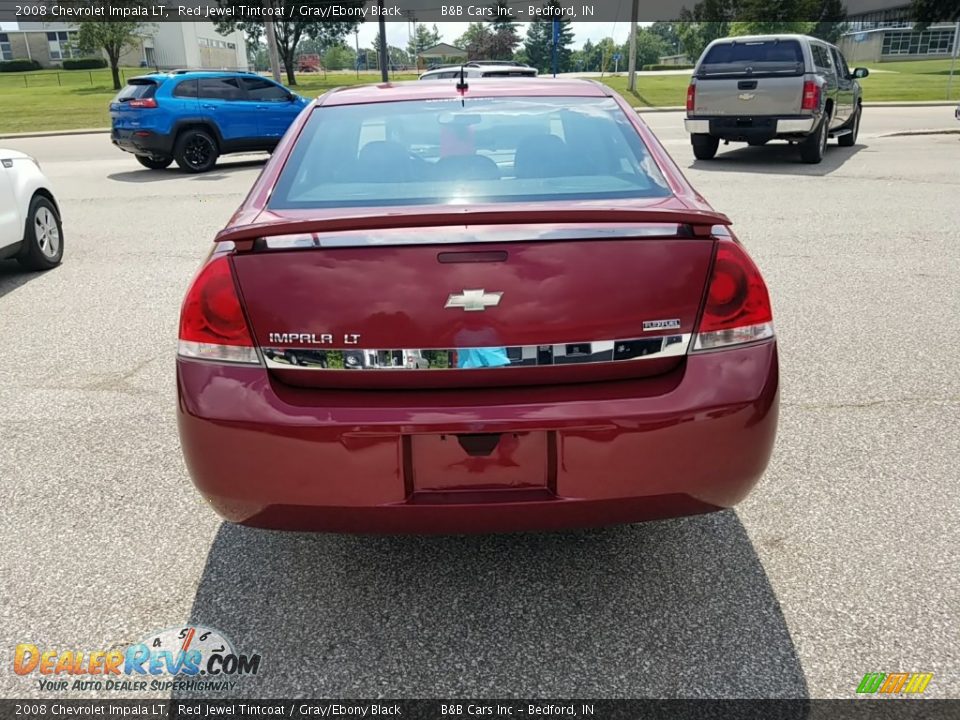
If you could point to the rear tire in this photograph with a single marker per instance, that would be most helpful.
(154, 163)
(196, 151)
(814, 146)
(43, 239)
(704, 146)
(850, 139)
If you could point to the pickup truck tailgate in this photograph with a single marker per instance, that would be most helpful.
(742, 96)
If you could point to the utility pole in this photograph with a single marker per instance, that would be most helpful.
(382, 51)
(953, 63)
(632, 60)
(555, 46)
(356, 60)
(272, 49)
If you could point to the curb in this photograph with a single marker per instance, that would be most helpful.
(907, 133)
(53, 133)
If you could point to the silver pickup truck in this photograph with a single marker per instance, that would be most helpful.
(759, 88)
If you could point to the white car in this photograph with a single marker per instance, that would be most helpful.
(485, 69)
(30, 226)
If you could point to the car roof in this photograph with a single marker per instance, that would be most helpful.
(161, 76)
(477, 87)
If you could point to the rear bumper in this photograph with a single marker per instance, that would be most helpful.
(694, 440)
(736, 128)
(142, 142)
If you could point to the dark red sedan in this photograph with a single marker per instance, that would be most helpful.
(499, 307)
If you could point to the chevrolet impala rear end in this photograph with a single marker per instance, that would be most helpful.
(492, 308)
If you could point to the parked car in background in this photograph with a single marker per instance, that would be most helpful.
(480, 69)
(601, 347)
(773, 87)
(30, 226)
(194, 117)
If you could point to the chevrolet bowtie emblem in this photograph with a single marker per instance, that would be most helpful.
(474, 300)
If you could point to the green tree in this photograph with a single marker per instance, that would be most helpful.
(111, 37)
(505, 35)
(831, 23)
(476, 41)
(536, 46)
(340, 57)
(927, 12)
(423, 38)
(800, 27)
(695, 36)
(288, 34)
(668, 33)
(650, 48)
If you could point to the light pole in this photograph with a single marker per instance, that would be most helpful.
(272, 49)
(632, 59)
(382, 50)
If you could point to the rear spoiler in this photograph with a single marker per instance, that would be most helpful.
(700, 222)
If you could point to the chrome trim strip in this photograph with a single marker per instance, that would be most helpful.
(590, 352)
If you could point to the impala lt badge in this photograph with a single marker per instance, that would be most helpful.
(474, 300)
(650, 325)
(312, 338)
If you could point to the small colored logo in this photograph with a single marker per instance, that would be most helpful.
(191, 657)
(894, 683)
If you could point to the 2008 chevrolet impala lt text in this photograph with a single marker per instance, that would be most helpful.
(474, 308)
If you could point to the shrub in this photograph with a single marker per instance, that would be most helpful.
(87, 63)
(668, 67)
(18, 65)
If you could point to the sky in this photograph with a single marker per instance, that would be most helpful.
(398, 33)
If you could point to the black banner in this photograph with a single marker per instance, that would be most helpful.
(444, 10)
(458, 709)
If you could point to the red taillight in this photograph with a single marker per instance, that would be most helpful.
(811, 96)
(212, 323)
(142, 103)
(691, 97)
(738, 306)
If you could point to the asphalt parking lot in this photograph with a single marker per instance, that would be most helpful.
(843, 561)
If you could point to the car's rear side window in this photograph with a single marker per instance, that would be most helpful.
(265, 91)
(512, 149)
(186, 89)
(754, 57)
(220, 88)
(137, 89)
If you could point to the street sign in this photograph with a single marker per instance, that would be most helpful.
(617, 57)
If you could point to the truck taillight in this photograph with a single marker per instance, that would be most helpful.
(738, 306)
(691, 97)
(212, 323)
(142, 103)
(811, 96)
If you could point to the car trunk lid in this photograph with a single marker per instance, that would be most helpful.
(556, 301)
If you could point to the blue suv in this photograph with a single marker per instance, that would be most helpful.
(193, 117)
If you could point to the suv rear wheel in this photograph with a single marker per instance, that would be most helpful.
(704, 146)
(814, 145)
(154, 163)
(196, 151)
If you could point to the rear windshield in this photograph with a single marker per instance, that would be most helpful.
(136, 90)
(766, 56)
(488, 150)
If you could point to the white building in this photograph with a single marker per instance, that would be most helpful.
(166, 45)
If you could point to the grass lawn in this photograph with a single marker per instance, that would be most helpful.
(79, 98)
